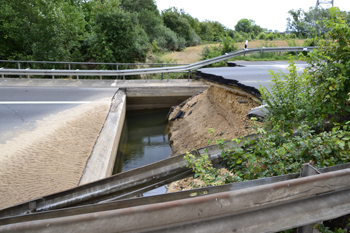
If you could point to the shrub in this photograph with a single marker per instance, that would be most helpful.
(262, 36)
(168, 40)
(181, 43)
(270, 36)
(330, 67)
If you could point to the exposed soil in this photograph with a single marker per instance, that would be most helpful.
(52, 157)
(221, 108)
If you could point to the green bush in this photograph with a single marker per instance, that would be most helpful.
(330, 67)
(300, 103)
(292, 36)
(270, 36)
(181, 43)
(262, 36)
(168, 40)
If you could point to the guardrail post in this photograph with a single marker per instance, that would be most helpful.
(168, 77)
(226, 61)
(189, 75)
(146, 78)
(308, 170)
(28, 74)
(123, 78)
(162, 73)
(68, 66)
(19, 67)
(117, 75)
(280, 53)
(3, 78)
(100, 76)
(77, 76)
(53, 76)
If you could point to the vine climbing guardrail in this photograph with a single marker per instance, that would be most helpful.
(178, 69)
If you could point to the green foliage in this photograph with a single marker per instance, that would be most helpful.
(115, 38)
(139, 6)
(330, 67)
(277, 152)
(289, 98)
(204, 170)
(40, 30)
(211, 30)
(262, 36)
(178, 23)
(299, 106)
(227, 44)
(270, 36)
(324, 229)
(296, 22)
(155, 47)
(243, 25)
(168, 40)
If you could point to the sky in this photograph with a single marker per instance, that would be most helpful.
(271, 14)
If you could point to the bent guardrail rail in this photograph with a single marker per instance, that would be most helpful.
(263, 205)
(177, 69)
(123, 185)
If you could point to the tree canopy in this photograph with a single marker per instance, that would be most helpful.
(120, 30)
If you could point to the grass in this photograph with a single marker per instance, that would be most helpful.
(193, 54)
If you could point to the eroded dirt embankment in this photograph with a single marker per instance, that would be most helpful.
(221, 108)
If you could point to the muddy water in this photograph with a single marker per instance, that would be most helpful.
(144, 139)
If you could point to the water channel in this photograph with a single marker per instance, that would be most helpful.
(144, 140)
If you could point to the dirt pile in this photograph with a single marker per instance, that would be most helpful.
(221, 108)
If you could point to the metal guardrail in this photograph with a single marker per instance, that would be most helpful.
(263, 205)
(120, 186)
(177, 69)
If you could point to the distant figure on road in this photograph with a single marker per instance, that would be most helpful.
(246, 45)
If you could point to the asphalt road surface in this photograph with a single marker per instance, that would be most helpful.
(21, 107)
(253, 73)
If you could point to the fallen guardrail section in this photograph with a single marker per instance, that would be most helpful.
(177, 69)
(262, 205)
(121, 186)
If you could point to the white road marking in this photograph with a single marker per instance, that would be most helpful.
(46, 102)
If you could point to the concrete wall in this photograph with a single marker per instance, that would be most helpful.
(160, 96)
(101, 162)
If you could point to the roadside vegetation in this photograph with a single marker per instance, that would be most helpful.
(127, 31)
(114, 31)
(308, 119)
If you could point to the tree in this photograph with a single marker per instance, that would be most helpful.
(243, 25)
(49, 30)
(118, 38)
(296, 22)
(256, 29)
(177, 21)
(139, 5)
